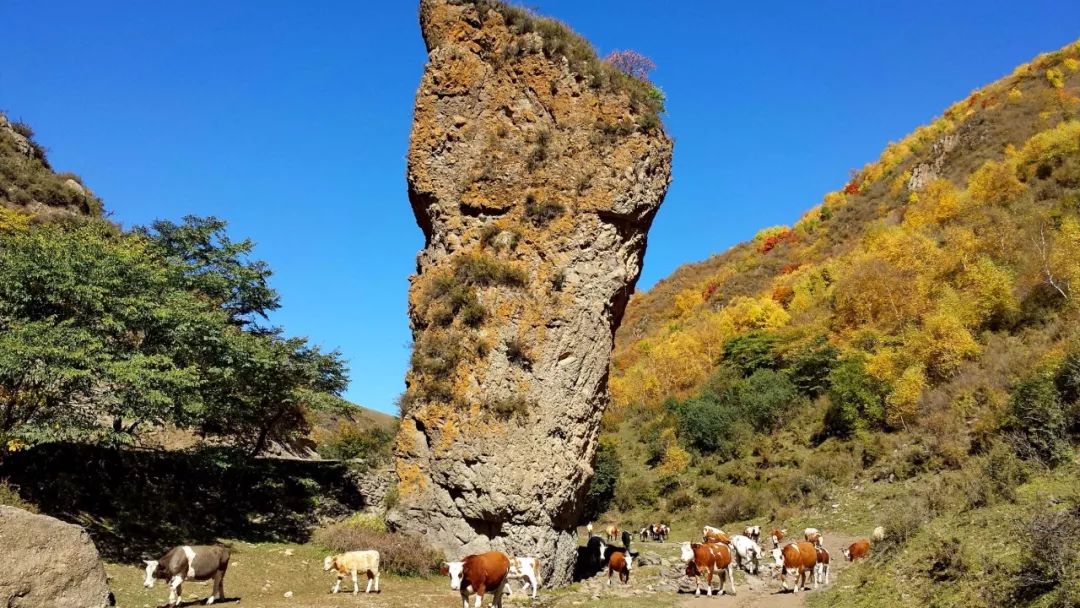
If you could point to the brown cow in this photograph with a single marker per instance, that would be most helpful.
(801, 557)
(777, 536)
(479, 574)
(710, 534)
(857, 550)
(813, 536)
(612, 533)
(189, 562)
(707, 558)
(621, 562)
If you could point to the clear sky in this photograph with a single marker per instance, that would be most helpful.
(291, 121)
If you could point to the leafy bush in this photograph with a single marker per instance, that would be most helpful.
(484, 271)
(709, 425)
(9, 496)
(636, 492)
(767, 398)
(436, 354)
(509, 407)
(542, 212)
(680, 501)
(751, 352)
(454, 299)
(1036, 421)
(1048, 569)
(856, 399)
(401, 554)
(605, 479)
(810, 367)
(371, 444)
(736, 503)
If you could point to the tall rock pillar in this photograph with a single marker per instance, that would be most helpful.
(534, 171)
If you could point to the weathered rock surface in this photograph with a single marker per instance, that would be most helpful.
(534, 172)
(47, 563)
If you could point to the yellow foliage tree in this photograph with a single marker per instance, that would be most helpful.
(1063, 268)
(12, 220)
(1055, 78)
(943, 343)
(938, 203)
(902, 404)
(687, 300)
(995, 183)
(987, 290)
(674, 462)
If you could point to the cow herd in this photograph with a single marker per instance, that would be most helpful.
(718, 554)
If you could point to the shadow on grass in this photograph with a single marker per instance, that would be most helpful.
(139, 503)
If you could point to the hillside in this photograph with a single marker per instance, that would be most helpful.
(917, 327)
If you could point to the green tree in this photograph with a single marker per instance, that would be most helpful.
(766, 399)
(810, 367)
(1036, 421)
(856, 399)
(216, 266)
(606, 471)
(751, 352)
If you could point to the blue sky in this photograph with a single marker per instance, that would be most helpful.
(291, 121)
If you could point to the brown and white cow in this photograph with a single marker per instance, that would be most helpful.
(612, 533)
(621, 562)
(753, 533)
(777, 536)
(479, 574)
(189, 562)
(857, 550)
(707, 558)
(821, 572)
(814, 537)
(800, 557)
(710, 534)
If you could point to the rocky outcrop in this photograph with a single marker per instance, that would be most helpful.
(534, 171)
(48, 563)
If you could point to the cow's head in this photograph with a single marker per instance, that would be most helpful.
(629, 561)
(151, 569)
(456, 570)
(778, 557)
(603, 550)
(686, 552)
(328, 563)
(847, 553)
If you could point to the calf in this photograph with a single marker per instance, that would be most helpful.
(777, 536)
(813, 536)
(479, 574)
(526, 570)
(351, 564)
(857, 550)
(621, 562)
(747, 553)
(801, 557)
(753, 533)
(645, 533)
(821, 573)
(189, 562)
(710, 534)
(707, 558)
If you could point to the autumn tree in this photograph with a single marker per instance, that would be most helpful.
(631, 63)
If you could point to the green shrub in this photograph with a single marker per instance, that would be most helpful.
(401, 554)
(680, 501)
(856, 400)
(509, 407)
(751, 352)
(767, 399)
(1048, 571)
(540, 151)
(736, 503)
(454, 299)
(606, 469)
(484, 271)
(9, 496)
(710, 426)
(1036, 422)
(558, 280)
(371, 444)
(809, 368)
(636, 492)
(517, 353)
(542, 212)
(437, 354)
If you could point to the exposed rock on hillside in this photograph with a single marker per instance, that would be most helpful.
(535, 172)
(27, 180)
(48, 563)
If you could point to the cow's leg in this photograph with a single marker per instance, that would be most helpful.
(337, 584)
(370, 580)
(496, 600)
(355, 584)
(783, 576)
(377, 582)
(723, 581)
(708, 582)
(480, 591)
(610, 571)
(174, 590)
(731, 577)
(464, 598)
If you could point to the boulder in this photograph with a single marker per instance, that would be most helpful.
(47, 563)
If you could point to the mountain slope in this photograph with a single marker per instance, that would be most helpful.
(907, 353)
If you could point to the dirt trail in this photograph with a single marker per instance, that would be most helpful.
(764, 592)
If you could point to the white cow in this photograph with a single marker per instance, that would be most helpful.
(352, 564)
(747, 552)
(526, 570)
